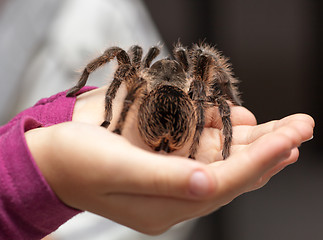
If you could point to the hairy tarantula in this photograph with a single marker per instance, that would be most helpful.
(174, 93)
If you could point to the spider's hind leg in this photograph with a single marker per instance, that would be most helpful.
(223, 78)
(225, 113)
(133, 82)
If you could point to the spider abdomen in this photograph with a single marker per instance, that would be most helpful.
(166, 118)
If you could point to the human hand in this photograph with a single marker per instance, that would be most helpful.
(92, 169)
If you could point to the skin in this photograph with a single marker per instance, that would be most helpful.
(117, 177)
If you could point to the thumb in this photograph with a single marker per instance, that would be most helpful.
(107, 163)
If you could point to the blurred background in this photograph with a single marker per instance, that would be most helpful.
(276, 50)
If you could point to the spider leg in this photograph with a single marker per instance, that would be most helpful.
(132, 94)
(181, 55)
(223, 79)
(133, 86)
(150, 56)
(225, 112)
(202, 73)
(135, 53)
(107, 56)
(227, 88)
(199, 127)
(216, 72)
(123, 73)
(197, 93)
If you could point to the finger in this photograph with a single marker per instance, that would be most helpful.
(177, 210)
(247, 134)
(241, 172)
(291, 133)
(153, 174)
(292, 158)
(242, 116)
(239, 116)
(210, 146)
(113, 165)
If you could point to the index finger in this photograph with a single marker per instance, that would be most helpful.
(241, 171)
(243, 135)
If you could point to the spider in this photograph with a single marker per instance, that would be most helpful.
(173, 94)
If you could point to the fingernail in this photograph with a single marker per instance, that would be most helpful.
(199, 184)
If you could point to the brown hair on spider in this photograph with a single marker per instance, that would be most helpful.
(174, 93)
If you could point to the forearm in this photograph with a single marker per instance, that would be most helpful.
(29, 208)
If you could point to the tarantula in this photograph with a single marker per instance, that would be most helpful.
(173, 93)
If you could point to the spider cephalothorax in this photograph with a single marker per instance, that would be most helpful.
(173, 94)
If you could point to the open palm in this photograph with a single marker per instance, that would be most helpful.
(95, 170)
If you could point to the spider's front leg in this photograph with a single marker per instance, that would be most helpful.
(135, 84)
(107, 56)
(134, 92)
(124, 73)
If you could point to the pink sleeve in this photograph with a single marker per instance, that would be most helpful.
(28, 207)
